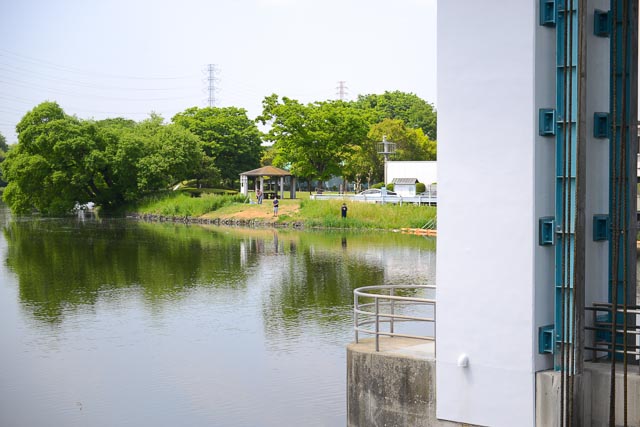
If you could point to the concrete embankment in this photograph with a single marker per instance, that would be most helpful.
(215, 221)
(393, 387)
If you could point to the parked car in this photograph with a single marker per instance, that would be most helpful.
(376, 191)
(375, 195)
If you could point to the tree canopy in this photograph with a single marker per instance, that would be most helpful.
(408, 107)
(3, 143)
(60, 160)
(411, 144)
(313, 140)
(3, 153)
(230, 140)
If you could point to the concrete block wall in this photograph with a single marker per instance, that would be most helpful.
(393, 387)
(594, 389)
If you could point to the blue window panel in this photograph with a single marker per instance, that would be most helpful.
(600, 228)
(601, 125)
(545, 339)
(546, 231)
(601, 23)
(547, 122)
(548, 13)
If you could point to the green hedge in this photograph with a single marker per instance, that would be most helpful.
(197, 192)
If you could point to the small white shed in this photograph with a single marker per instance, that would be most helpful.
(405, 186)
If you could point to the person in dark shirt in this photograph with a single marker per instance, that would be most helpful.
(344, 210)
(275, 205)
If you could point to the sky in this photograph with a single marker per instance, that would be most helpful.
(119, 58)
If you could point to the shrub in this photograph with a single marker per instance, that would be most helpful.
(391, 186)
(182, 204)
(378, 185)
(420, 187)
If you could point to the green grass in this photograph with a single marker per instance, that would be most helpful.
(313, 213)
(181, 204)
(326, 214)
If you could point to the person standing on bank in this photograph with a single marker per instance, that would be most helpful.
(275, 205)
(344, 210)
(259, 196)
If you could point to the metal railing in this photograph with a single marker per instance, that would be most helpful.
(602, 328)
(376, 305)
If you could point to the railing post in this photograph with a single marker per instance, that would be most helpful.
(355, 315)
(377, 325)
(435, 325)
(392, 292)
(595, 335)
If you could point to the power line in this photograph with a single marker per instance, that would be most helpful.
(27, 73)
(46, 64)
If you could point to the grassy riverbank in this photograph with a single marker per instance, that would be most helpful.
(311, 213)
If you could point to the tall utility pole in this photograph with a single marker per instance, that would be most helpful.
(386, 148)
(341, 90)
(211, 84)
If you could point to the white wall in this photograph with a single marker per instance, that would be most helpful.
(425, 171)
(544, 189)
(487, 127)
(495, 283)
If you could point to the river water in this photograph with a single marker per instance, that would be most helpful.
(115, 322)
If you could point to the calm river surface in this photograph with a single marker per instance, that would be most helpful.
(122, 323)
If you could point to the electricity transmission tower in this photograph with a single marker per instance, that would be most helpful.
(212, 70)
(341, 90)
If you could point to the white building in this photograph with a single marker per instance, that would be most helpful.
(425, 172)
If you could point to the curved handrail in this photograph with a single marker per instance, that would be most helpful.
(384, 297)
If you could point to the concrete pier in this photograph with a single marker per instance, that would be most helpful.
(393, 387)
(397, 387)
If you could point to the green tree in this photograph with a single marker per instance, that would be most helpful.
(363, 164)
(3, 153)
(171, 154)
(45, 170)
(268, 154)
(60, 160)
(230, 140)
(411, 144)
(408, 107)
(313, 140)
(3, 143)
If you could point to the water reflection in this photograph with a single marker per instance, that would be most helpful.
(214, 326)
(62, 263)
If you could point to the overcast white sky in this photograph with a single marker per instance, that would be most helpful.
(127, 58)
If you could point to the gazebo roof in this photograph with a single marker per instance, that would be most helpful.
(267, 171)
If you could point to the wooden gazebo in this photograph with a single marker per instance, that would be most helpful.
(269, 172)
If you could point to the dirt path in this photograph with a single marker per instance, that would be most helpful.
(262, 212)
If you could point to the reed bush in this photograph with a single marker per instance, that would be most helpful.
(326, 213)
(181, 204)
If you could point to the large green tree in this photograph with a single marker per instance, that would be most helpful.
(313, 140)
(408, 107)
(411, 144)
(60, 160)
(3, 153)
(231, 142)
(45, 169)
(3, 143)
